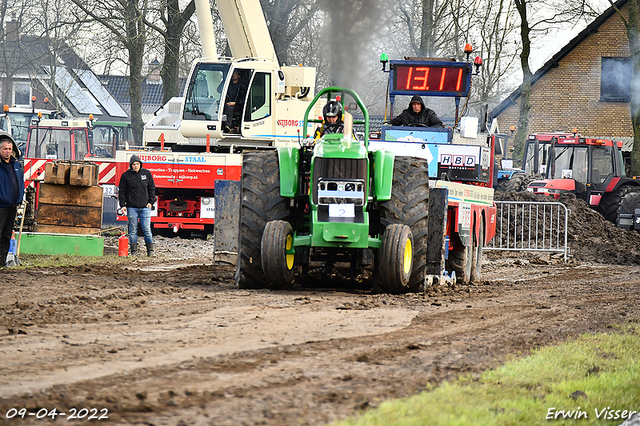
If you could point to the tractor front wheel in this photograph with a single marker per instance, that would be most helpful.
(277, 264)
(409, 205)
(396, 257)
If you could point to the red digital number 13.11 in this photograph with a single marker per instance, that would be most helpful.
(422, 74)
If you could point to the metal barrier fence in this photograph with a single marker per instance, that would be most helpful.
(531, 226)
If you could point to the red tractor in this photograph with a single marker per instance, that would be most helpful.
(592, 169)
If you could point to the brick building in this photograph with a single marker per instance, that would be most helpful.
(585, 86)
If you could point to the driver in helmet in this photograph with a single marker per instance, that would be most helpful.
(417, 113)
(332, 113)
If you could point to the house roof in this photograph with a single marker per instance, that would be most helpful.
(80, 93)
(554, 61)
(151, 90)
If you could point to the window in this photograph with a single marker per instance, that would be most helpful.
(203, 95)
(259, 103)
(80, 142)
(602, 164)
(615, 78)
(22, 94)
(54, 144)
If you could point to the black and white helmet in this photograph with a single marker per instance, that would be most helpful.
(332, 109)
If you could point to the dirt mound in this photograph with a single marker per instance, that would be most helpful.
(590, 236)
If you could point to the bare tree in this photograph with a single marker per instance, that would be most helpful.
(15, 27)
(174, 22)
(433, 18)
(631, 25)
(125, 20)
(539, 15)
(286, 19)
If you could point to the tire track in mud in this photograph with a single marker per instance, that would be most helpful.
(351, 350)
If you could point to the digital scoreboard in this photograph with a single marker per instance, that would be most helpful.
(432, 78)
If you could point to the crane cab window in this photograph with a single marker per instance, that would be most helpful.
(204, 92)
(259, 100)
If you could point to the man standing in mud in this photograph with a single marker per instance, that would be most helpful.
(137, 193)
(11, 191)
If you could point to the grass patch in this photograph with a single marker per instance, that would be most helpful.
(46, 261)
(601, 371)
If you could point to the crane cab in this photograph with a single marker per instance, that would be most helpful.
(273, 100)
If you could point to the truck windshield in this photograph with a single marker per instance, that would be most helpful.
(571, 162)
(204, 92)
(19, 123)
(543, 152)
(52, 144)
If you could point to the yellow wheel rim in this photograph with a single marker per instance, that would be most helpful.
(289, 257)
(408, 256)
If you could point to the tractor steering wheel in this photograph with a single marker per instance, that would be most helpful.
(417, 125)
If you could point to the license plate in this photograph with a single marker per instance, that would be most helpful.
(342, 210)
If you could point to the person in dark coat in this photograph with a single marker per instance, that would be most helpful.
(234, 101)
(417, 113)
(11, 191)
(137, 193)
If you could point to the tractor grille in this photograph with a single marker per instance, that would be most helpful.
(344, 169)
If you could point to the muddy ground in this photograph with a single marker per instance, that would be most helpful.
(158, 342)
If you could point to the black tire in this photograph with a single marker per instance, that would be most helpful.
(277, 265)
(461, 262)
(515, 184)
(610, 203)
(396, 258)
(260, 203)
(476, 262)
(409, 205)
(629, 203)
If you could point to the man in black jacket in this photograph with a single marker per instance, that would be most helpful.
(11, 191)
(234, 102)
(417, 113)
(136, 194)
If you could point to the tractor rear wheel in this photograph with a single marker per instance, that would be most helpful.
(629, 203)
(276, 263)
(396, 256)
(260, 202)
(409, 205)
(610, 203)
(513, 184)
(476, 263)
(460, 262)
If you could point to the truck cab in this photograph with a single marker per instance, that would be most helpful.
(59, 140)
(16, 121)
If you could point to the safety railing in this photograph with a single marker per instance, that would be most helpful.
(531, 226)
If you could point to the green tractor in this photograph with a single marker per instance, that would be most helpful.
(331, 203)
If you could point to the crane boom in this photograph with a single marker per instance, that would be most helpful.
(205, 27)
(244, 25)
(246, 29)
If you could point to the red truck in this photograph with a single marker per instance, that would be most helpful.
(185, 186)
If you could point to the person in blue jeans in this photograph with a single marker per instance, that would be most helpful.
(137, 193)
